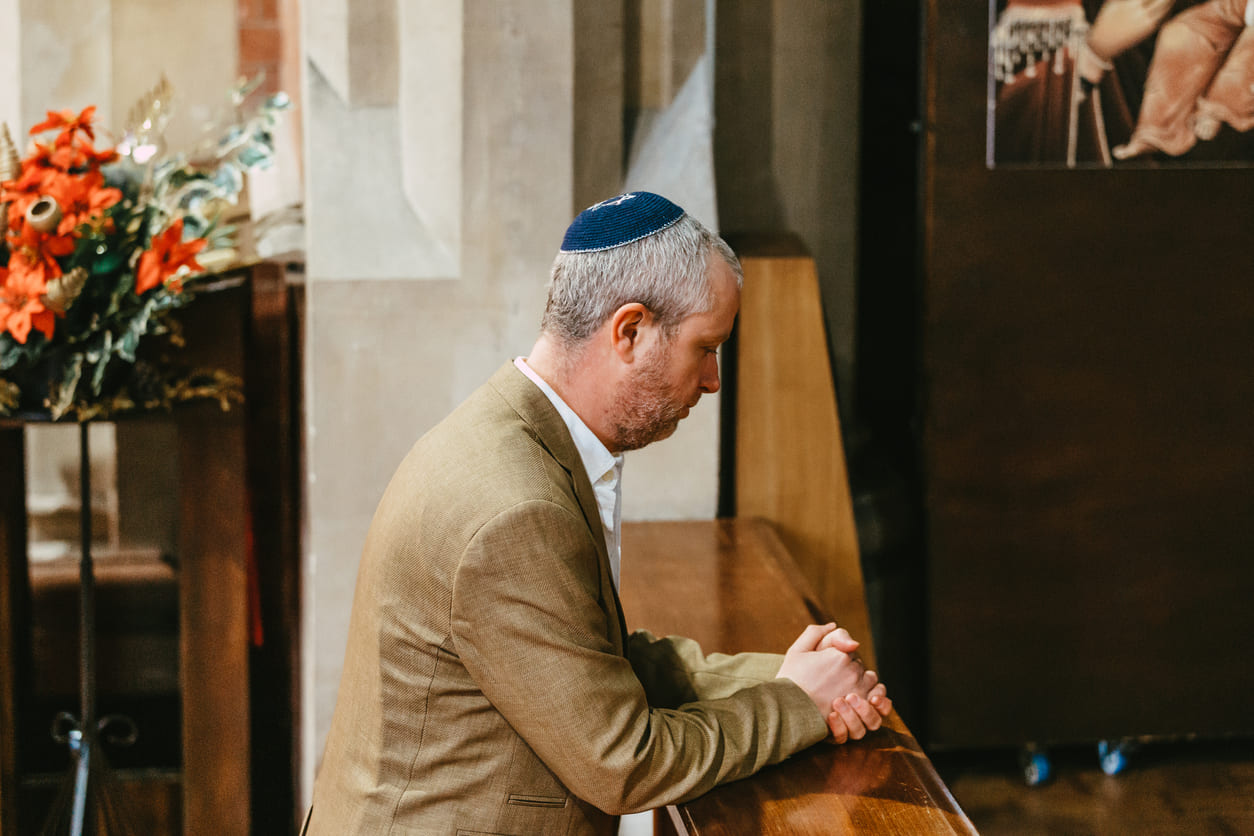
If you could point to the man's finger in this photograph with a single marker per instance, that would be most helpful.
(857, 729)
(883, 704)
(840, 732)
(866, 712)
(878, 697)
(811, 636)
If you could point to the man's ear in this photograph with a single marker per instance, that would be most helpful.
(626, 329)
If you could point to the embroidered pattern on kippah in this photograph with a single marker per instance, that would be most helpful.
(613, 201)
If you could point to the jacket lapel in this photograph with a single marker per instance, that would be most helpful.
(534, 407)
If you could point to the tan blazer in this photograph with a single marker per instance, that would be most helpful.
(489, 684)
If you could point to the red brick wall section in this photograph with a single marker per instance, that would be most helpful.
(269, 41)
(260, 41)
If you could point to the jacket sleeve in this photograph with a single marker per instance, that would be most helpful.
(528, 627)
(674, 670)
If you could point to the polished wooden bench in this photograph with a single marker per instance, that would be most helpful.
(732, 586)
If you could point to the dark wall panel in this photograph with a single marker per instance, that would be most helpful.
(1088, 376)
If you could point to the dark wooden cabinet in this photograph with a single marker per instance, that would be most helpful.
(234, 589)
(1086, 346)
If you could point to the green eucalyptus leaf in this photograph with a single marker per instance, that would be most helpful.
(98, 372)
(10, 352)
(129, 344)
(135, 330)
(229, 179)
(194, 225)
(278, 101)
(256, 156)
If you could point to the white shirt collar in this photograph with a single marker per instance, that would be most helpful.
(597, 459)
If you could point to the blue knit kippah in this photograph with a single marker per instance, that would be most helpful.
(619, 220)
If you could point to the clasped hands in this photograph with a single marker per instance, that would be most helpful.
(822, 662)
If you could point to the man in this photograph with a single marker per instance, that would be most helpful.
(490, 684)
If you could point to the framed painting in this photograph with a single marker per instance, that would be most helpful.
(1120, 83)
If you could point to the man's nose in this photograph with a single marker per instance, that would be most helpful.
(709, 375)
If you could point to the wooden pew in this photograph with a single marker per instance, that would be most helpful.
(732, 586)
(788, 446)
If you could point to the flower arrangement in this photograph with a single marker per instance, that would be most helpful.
(101, 246)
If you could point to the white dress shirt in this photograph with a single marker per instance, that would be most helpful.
(605, 470)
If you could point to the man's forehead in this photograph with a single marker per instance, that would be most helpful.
(716, 323)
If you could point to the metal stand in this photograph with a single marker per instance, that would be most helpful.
(85, 803)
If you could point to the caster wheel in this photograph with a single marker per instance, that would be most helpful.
(1036, 766)
(1113, 755)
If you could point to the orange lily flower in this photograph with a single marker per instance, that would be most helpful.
(80, 155)
(83, 199)
(39, 159)
(26, 189)
(21, 305)
(37, 252)
(30, 181)
(167, 254)
(69, 125)
(95, 158)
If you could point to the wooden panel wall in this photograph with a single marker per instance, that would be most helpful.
(14, 599)
(1087, 360)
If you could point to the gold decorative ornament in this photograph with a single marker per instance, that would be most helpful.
(65, 289)
(10, 396)
(153, 110)
(10, 168)
(144, 136)
(44, 214)
(10, 160)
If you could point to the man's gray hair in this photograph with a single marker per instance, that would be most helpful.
(667, 272)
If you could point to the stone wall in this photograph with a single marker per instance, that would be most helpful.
(787, 99)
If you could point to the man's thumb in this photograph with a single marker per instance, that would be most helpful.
(841, 640)
(810, 637)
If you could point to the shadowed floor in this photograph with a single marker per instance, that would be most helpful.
(1201, 787)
